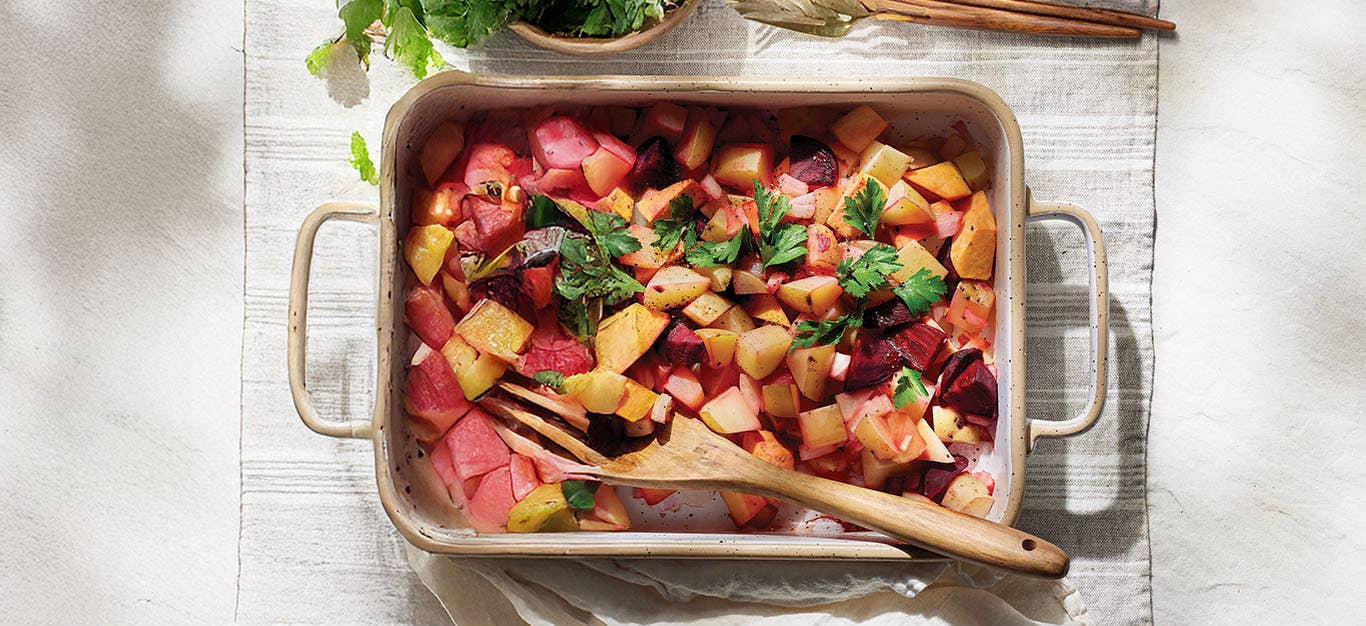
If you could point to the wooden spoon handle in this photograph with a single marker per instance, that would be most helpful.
(922, 524)
(1099, 16)
(941, 13)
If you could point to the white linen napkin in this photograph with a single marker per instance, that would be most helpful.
(610, 592)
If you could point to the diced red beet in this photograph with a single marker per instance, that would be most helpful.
(492, 500)
(811, 161)
(873, 361)
(432, 397)
(561, 142)
(917, 344)
(655, 165)
(424, 310)
(551, 348)
(504, 289)
(973, 390)
(538, 283)
(890, 314)
(524, 478)
(682, 346)
(955, 364)
(475, 446)
(939, 475)
(951, 280)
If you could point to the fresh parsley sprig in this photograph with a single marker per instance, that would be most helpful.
(868, 273)
(669, 230)
(909, 386)
(824, 332)
(589, 276)
(779, 242)
(864, 210)
(712, 253)
(921, 291)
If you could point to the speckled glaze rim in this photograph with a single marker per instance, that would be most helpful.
(1023, 432)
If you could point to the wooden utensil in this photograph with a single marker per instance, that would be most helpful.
(685, 454)
(834, 18)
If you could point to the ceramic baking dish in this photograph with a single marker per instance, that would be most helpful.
(414, 498)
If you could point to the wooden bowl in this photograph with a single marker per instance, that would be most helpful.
(602, 46)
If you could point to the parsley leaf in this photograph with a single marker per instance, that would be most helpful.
(579, 494)
(921, 291)
(360, 159)
(778, 242)
(909, 386)
(869, 272)
(609, 230)
(826, 332)
(864, 210)
(713, 253)
(409, 44)
(589, 278)
(549, 378)
(669, 230)
(788, 244)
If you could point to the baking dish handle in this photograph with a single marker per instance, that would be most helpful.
(298, 314)
(1100, 313)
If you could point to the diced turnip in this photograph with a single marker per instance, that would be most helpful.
(730, 413)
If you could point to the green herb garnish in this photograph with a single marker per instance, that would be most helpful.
(544, 212)
(778, 242)
(869, 272)
(909, 386)
(669, 230)
(579, 494)
(826, 332)
(864, 210)
(921, 291)
(590, 278)
(713, 253)
(549, 378)
(360, 159)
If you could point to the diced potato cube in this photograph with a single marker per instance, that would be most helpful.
(495, 329)
(859, 128)
(759, 352)
(675, 286)
(822, 427)
(707, 308)
(973, 169)
(626, 335)
(720, 345)
(883, 162)
(739, 165)
(734, 319)
(973, 251)
(425, 249)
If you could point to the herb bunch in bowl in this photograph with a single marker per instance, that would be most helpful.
(408, 27)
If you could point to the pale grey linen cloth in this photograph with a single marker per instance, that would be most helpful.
(310, 518)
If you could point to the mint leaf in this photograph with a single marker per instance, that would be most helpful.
(360, 159)
(864, 210)
(921, 291)
(869, 272)
(909, 386)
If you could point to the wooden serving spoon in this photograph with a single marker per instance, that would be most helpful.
(685, 454)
